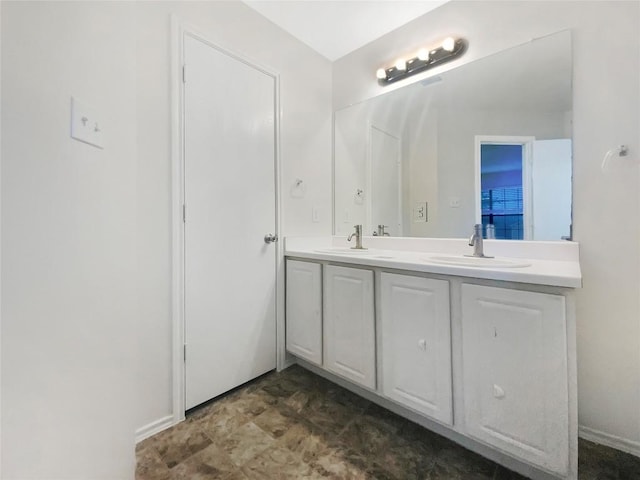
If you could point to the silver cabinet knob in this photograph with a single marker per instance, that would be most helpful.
(269, 238)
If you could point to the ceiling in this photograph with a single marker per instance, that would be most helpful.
(335, 28)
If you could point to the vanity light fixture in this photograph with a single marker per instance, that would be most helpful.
(425, 59)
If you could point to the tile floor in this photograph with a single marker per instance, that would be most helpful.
(296, 425)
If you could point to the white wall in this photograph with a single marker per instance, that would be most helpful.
(305, 95)
(421, 175)
(87, 232)
(606, 50)
(68, 242)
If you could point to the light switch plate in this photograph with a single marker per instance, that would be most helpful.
(85, 125)
(419, 212)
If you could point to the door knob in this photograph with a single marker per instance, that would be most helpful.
(268, 238)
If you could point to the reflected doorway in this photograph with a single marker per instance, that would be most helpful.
(501, 190)
(384, 181)
(503, 185)
(523, 187)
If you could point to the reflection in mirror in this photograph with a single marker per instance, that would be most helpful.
(488, 142)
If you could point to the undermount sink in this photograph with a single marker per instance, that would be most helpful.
(344, 250)
(484, 262)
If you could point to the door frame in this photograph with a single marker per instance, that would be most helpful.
(527, 159)
(179, 29)
(369, 176)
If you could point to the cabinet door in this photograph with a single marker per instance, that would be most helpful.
(349, 332)
(304, 310)
(515, 373)
(416, 344)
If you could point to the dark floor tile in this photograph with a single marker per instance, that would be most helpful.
(597, 462)
(366, 437)
(304, 377)
(285, 384)
(320, 410)
(210, 463)
(442, 471)
(344, 397)
(150, 466)
(301, 401)
(245, 443)
(422, 437)
(179, 443)
(405, 461)
(222, 420)
(276, 421)
(629, 466)
(342, 463)
(206, 409)
(308, 441)
(383, 417)
(503, 473)
(278, 463)
(592, 474)
(295, 425)
(459, 461)
(254, 403)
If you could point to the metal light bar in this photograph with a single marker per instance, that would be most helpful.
(425, 59)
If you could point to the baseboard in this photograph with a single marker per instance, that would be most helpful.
(608, 440)
(154, 427)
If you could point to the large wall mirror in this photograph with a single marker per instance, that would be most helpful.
(488, 142)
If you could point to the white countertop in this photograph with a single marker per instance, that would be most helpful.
(549, 263)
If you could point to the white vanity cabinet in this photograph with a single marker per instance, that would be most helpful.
(349, 324)
(514, 367)
(415, 339)
(304, 310)
(483, 356)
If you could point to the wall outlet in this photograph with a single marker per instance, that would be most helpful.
(347, 216)
(315, 214)
(85, 125)
(419, 212)
(454, 202)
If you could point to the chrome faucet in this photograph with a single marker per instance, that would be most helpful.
(476, 242)
(381, 231)
(358, 235)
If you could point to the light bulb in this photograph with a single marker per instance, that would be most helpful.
(401, 65)
(381, 73)
(449, 44)
(423, 54)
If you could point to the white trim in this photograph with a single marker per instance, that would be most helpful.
(608, 440)
(368, 181)
(154, 427)
(178, 30)
(1, 450)
(334, 215)
(281, 353)
(177, 195)
(527, 159)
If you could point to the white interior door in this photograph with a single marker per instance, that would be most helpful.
(385, 181)
(230, 272)
(551, 185)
